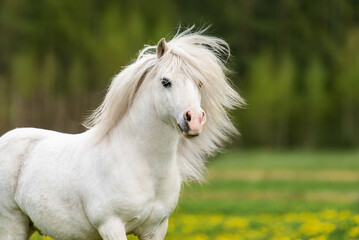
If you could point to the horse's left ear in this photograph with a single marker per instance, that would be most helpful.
(161, 48)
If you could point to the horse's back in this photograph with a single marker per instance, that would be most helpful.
(26, 133)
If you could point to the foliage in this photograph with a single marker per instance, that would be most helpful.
(296, 62)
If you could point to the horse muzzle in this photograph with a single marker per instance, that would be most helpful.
(192, 122)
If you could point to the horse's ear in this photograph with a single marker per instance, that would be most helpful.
(161, 48)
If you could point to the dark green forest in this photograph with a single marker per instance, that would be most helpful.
(295, 62)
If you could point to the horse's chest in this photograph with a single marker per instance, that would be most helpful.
(151, 214)
(154, 207)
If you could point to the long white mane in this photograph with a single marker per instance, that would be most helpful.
(203, 59)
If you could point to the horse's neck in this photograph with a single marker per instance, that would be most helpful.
(144, 134)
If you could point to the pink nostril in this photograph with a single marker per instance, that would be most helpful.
(195, 120)
(187, 116)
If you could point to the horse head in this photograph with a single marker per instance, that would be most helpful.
(178, 97)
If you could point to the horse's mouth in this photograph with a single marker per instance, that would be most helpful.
(187, 133)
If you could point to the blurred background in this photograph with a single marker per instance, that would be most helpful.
(295, 62)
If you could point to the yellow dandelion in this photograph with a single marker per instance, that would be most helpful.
(314, 227)
(353, 232)
(321, 237)
(171, 227)
(356, 219)
(343, 215)
(305, 216)
(329, 214)
(187, 229)
(236, 222)
(215, 220)
(227, 236)
(196, 237)
(281, 238)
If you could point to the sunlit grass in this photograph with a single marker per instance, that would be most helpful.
(325, 225)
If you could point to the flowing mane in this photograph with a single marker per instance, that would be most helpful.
(203, 59)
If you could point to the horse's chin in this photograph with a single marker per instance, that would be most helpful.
(188, 134)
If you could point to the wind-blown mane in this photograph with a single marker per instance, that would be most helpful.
(203, 59)
(119, 97)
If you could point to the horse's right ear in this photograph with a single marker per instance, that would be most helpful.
(161, 48)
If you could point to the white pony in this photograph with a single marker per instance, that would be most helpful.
(124, 174)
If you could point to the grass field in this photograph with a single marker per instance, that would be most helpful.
(262, 195)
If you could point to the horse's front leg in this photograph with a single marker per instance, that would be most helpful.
(112, 229)
(158, 234)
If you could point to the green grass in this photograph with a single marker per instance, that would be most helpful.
(245, 207)
(266, 160)
(265, 185)
(297, 160)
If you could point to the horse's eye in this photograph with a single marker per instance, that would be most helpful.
(166, 82)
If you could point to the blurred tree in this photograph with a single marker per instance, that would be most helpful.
(260, 97)
(56, 58)
(284, 96)
(347, 88)
(315, 102)
(24, 74)
(270, 96)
